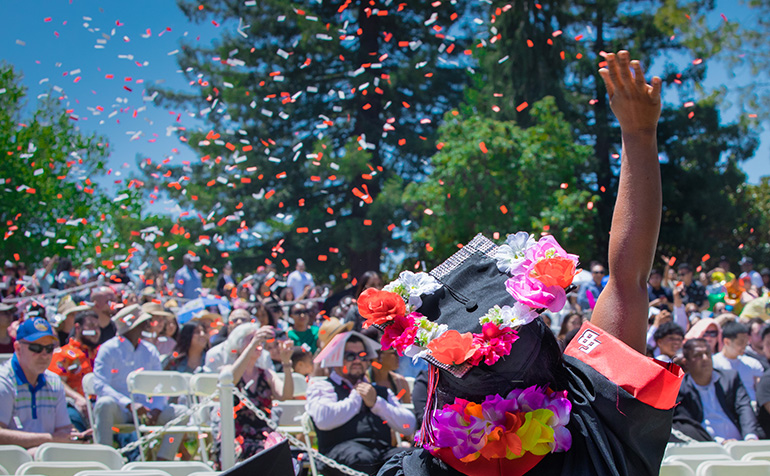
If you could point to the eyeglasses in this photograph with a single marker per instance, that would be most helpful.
(38, 348)
(301, 312)
(711, 334)
(352, 356)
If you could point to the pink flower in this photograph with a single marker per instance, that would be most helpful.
(400, 333)
(492, 343)
(540, 280)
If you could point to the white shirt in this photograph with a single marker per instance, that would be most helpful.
(715, 421)
(329, 413)
(297, 281)
(747, 367)
(756, 278)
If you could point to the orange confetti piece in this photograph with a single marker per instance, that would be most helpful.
(522, 106)
(705, 257)
(483, 147)
(504, 209)
(672, 260)
(401, 394)
(377, 365)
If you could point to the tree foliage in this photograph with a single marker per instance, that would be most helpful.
(52, 203)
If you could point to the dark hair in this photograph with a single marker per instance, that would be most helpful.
(354, 338)
(563, 329)
(689, 347)
(684, 267)
(756, 320)
(363, 280)
(80, 318)
(65, 264)
(667, 329)
(299, 354)
(185, 337)
(271, 319)
(655, 271)
(765, 331)
(731, 330)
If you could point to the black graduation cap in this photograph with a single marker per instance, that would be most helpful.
(472, 285)
(274, 461)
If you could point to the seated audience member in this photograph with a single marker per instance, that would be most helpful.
(74, 361)
(6, 318)
(353, 418)
(330, 328)
(708, 329)
(234, 319)
(301, 331)
(668, 341)
(570, 323)
(160, 318)
(660, 296)
(117, 358)
(735, 337)
(302, 361)
(260, 384)
(190, 350)
(590, 291)
(693, 292)
(383, 373)
(712, 404)
(226, 352)
(33, 414)
(756, 347)
(103, 297)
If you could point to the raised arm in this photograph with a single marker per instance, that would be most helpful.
(622, 307)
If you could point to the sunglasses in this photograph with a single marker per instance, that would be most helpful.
(38, 348)
(352, 356)
(711, 334)
(299, 313)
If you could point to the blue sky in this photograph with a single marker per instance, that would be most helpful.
(74, 45)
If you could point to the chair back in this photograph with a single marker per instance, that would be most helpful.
(693, 461)
(675, 468)
(757, 456)
(203, 385)
(58, 468)
(732, 468)
(174, 468)
(12, 456)
(697, 448)
(112, 472)
(300, 385)
(158, 383)
(739, 448)
(58, 452)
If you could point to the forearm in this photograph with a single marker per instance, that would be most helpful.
(27, 439)
(70, 392)
(634, 234)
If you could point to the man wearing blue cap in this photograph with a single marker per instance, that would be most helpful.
(34, 408)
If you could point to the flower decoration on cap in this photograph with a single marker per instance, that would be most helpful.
(539, 273)
(531, 420)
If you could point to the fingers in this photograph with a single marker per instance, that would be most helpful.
(614, 71)
(656, 86)
(605, 74)
(638, 74)
(624, 65)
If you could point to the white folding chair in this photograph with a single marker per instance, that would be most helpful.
(5, 358)
(146, 472)
(300, 385)
(58, 468)
(693, 461)
(3, 470)
(202, 386)
(675, 468)
(295, 420)
(174, 468)
(158, 383)
(12, 456)
(203, 473)
(410, 382)
(732, 468)
(59, 452)
(757, 456)
(739, 448)
(697, 448)
(89, 390)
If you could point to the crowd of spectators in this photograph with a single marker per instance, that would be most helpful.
(267, 326)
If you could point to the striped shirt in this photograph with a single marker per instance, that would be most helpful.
(41, 408)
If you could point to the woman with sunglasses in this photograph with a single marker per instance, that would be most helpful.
(708, 329)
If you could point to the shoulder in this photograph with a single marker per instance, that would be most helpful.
(150, 349)
(7, 376)
(752, 362)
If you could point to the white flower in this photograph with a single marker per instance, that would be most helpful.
(518, 315)
(513, 253)
(418, 284)
(428, 330)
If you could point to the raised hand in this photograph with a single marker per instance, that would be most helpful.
(635, 103)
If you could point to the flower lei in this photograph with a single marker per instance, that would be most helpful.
(539, 271)
(527, 420)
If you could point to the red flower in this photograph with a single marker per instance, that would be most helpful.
(452, 348)
(379, 307)
(400, 334)
(554, 271)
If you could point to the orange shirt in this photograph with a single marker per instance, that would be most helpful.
(71, 362)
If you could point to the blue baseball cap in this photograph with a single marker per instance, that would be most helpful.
(34, 329)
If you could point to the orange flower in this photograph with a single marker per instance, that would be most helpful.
(452, 348)
(554, 271)
(379, 307)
